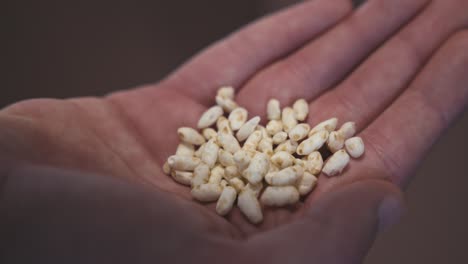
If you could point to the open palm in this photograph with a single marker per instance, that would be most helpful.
(383, 66)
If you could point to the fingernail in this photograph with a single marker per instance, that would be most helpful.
(390, 211)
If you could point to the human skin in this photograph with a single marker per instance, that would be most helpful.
(78, 172)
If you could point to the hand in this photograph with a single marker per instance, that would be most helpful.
(318, 50)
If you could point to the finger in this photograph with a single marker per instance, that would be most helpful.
(404, 133)
(49, 215)
(379, 80)
(325, 61)
(233, 60)
(338, 228)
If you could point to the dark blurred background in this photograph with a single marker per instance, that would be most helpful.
(74, 48)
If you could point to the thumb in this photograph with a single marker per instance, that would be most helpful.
(339, 227)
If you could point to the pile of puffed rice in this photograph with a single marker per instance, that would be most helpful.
(236, 158)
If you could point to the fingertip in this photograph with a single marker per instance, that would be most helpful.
(386, 197)
(390, 211)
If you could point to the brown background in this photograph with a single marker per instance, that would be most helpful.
(73, 48)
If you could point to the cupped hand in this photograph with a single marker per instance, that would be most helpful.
(396, 68)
